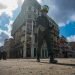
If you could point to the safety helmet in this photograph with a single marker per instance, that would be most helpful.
(44, 8)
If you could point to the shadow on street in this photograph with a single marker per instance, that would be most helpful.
(65, 64)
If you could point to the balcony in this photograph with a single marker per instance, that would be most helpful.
(23, 33)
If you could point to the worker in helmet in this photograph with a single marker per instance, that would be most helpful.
(43, 33)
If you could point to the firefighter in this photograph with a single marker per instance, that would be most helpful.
(43, 33)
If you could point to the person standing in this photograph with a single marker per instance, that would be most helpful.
(44, 28)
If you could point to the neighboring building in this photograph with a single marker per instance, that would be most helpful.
(72, 44)
(65, 48)
(1, 48)
(8, 46)
(24, 32)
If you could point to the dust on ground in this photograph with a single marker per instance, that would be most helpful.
(31, 67)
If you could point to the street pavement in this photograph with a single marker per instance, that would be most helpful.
(31, 67)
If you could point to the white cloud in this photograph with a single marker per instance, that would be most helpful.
(40, 1)
(61, 24)
(64, 24)
(71, 38)
(9, 29)
(10, 6)
(0, 31)
(7, 32)
(73, 17)
(1, 44)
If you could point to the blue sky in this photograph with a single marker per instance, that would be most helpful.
(68, 30)
(62, 11)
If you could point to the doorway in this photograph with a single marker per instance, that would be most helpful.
(28, 52)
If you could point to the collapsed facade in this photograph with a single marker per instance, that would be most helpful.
(25, 35)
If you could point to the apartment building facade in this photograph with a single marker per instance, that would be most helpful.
(24, 32)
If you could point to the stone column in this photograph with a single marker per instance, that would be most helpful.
(24, 49)
(41, 53)
(32, 42)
